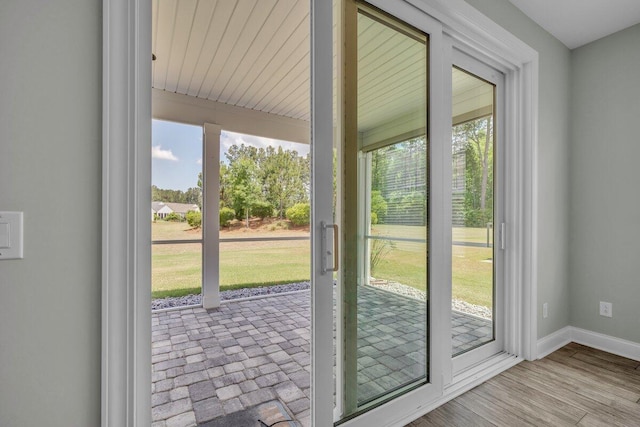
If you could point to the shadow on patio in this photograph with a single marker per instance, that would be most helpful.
(209, 364)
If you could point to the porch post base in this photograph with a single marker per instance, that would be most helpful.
(211, 301)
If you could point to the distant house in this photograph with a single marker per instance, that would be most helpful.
(162, 209)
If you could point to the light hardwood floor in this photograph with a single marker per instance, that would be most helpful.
(575, 385)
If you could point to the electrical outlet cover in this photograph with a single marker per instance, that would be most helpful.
(606, 309)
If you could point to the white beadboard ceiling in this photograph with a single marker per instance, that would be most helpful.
(255, 54)
(470, 95)
(391, 75)
(247, 53)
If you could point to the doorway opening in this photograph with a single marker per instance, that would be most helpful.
(239, 71)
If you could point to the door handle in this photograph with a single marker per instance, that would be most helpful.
(327, 251)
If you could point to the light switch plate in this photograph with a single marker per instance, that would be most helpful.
(11, 235)
(5, 237)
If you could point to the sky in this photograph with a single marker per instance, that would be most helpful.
(177, 152)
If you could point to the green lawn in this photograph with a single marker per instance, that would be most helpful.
(472, 267)
(177, 268)
(161, 230)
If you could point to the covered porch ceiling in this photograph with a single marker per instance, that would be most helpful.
(245, 65)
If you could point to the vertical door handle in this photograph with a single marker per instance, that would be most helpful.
(329, 252)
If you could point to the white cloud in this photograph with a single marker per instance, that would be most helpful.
(199, 161)
(158, 153)
(227, 139)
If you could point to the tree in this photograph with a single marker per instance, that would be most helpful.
(285, 178)
(193, 196)
(225, 185)
(168, 196)
(245, 190)
(278, 177)
(476, 139)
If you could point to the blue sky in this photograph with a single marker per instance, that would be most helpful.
(177, 152)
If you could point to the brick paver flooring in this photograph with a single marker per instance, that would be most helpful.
(210, 363)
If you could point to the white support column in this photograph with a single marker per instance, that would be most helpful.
(211, 216)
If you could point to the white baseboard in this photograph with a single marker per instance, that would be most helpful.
(554, 341)
(613, 345)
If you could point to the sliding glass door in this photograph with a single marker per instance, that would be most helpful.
(476, 228)
(414, 242)
(384, 282)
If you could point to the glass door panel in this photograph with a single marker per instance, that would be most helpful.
(392, 331)
(473, 255)
(385, 180)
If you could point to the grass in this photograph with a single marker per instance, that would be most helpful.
(472, 269)
(177, 268)
(161, 230)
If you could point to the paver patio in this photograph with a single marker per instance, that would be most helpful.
(211, 363)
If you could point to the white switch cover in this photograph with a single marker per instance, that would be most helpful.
(5, 238)
(10, 235)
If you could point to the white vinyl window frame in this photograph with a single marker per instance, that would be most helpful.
(126, 191)
(486, 351)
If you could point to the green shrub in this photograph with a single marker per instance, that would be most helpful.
(299, 214)
(194, 219)
(226, 215)
(378, 206)
(477, 217)
(262, 209)
(379, 250)
(173, 217)
(240, 213)
(374, 218)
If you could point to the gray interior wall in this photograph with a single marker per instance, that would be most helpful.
(50, 120)
(605, 175)
(50, 168)
(553, 158)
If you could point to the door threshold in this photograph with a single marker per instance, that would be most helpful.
(476, 374)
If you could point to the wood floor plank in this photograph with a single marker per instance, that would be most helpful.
(538, 399)
(565, 351)
(575, 385)
(452, 414)
(490, 410)
(594, 390)
(594, 360)
(589, 399)
(463, 417)
(560, 374)
(522, 408)
(591, 420)
(608, 357)
(624, 378)
(589, 379)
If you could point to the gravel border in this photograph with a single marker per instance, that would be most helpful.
(397, 288)
(196, 299)
(408, 291)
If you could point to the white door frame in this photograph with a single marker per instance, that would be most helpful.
(126, 235)
(322, 212)
(126, 229)
(500, 255)
(475, 34)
